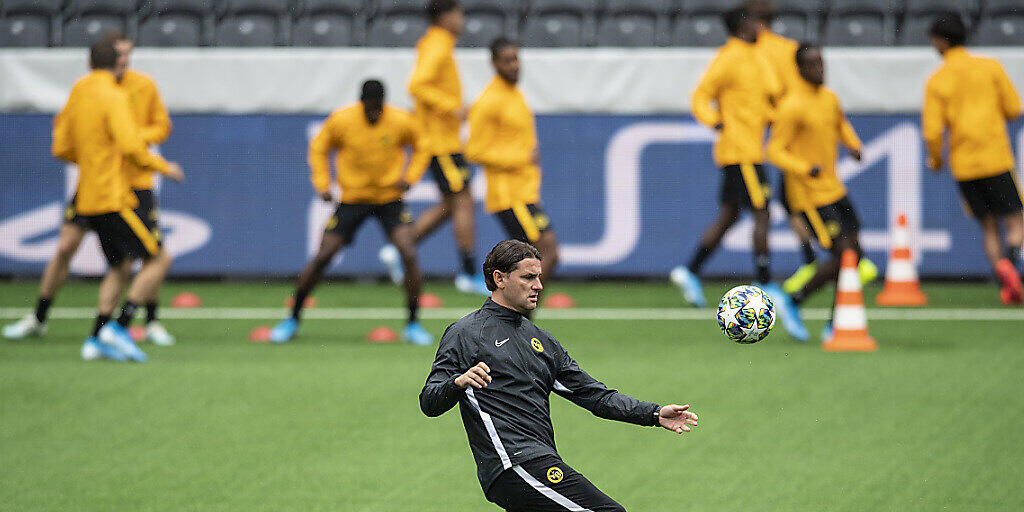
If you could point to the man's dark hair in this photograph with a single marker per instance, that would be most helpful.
(102, 54)
(437, 8)
(949, 26)
(803, 49)
(115, 36)
(500, 44)
(505, 257)
(734, 20)
(373, 90)
(761, 10)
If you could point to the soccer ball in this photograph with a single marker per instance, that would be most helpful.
(746, 314)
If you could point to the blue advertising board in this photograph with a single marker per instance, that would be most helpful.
(627, 196)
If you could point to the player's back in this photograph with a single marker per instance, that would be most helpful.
(370, 156)
(974, 102)
(780, 52)
(85, 124)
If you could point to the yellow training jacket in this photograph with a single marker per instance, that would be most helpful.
(780, 52)
(370, 158)
(973, 97)
(743, 86)
(96, 131)
(150, 116)
(807, 128)
(437, 93)
(503, 138)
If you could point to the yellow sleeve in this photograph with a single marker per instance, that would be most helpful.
(427, 70)
(933, 122)
(706, 91)
(63, 147)
(783, 132)
(482, 146)
(159, 127)
(846, 132)
(319, 157)
(126, 135)
(411, 142)
(1007, 94)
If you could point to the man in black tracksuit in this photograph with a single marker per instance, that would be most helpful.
(500, 368)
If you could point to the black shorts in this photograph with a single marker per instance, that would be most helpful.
(524, 222)
(547, 484)
(995, 195)
(123, 236)
(146, 210)
(745, 186)
(349, 216)
(832, 221)
(451, 172)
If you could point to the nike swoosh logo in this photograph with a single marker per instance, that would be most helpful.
(500, 343)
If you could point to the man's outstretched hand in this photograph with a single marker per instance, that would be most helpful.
(677, 418)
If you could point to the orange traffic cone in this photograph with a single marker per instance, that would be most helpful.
(901, 285)
(850, 323)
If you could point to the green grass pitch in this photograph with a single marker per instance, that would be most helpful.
(330, 422)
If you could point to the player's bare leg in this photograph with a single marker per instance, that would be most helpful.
(56, 273)
(686, 277)
(1008, 264)
(547, 244)
(433, 218)
(727, 216)
(403, 238)
(991, 241)
(760, 238)
(111, 288)
(805, 271)
(310, 276)
(155, 331)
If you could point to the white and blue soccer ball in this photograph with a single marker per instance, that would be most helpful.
(746, 314)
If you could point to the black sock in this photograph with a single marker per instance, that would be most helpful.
(151, 312)
(468, 262)
(698, 259)
(300, 301)
(798, 297)
(101, 320)
(414, 310)
(762, 261)
(1013, 254)
(43, 309)
(809, 256)
(127, 312)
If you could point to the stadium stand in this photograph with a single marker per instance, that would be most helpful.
(30, 23)
(699, 24)
(538, 23)
(177, 23)
(1001, 24)
(860, 23)
(397, 23)
(87, 20)
(330, 23)
(253, 23)
(560, 23)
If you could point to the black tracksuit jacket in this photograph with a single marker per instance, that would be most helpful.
(509, 421)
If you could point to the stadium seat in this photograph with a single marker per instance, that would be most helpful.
(88, 20)
(918, 17)
(860, 23)
(1001, 24)
(177, 23)
(487, 20)
(798, 19)
(634, 23)
(29, 23)
(560, 23)
(700, 24)
(253, 23)
(398, 23)
(330, 23)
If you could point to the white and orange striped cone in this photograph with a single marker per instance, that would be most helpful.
(901, 285)
(850, 322)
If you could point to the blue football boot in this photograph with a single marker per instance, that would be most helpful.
(284, 331)
(415, 333)
(689, 283)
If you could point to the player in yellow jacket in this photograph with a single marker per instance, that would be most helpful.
(973, 98)
(371, 140)
(97, 131)
(808, 127)
(439, 112)
(154, 126)
(503, 138)
(735, 97)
